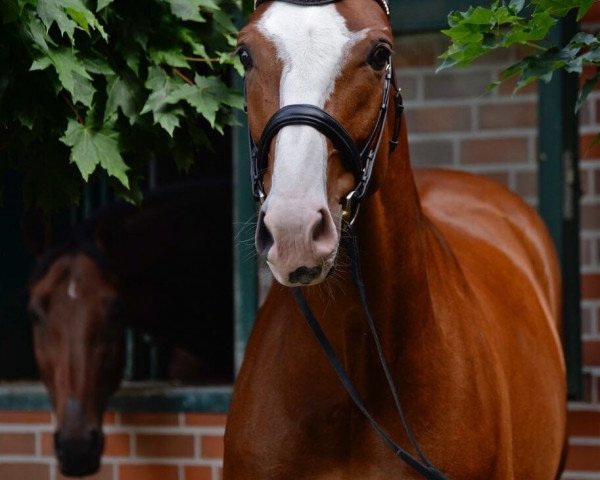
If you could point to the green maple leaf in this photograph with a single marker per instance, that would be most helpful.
(187, 10)
(206, 96)
(68, 15)
(91, 148)
(71, 73)
(161, 101)
(52, 11)
(126, 95)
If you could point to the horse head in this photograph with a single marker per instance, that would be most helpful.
(317, 88)
(79, 349)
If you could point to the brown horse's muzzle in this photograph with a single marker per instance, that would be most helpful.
(79, 455)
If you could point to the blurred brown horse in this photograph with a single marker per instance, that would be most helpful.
(461, 276)
(158, 268)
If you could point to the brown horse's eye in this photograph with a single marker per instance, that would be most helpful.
(379, 56)
(34, 316)
(245, 58)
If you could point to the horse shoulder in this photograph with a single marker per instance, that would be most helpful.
(509, 266)
(470, 210)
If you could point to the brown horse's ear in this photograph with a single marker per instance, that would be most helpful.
(36, 231)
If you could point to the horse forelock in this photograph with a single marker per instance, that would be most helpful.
(69, 247)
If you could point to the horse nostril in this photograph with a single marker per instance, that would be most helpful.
(264, 238)
(318, 227)
(324, 234)
(305, 275)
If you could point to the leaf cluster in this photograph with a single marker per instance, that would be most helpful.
(92, 85)
(479, 31)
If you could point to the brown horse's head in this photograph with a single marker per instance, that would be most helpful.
(334, 57)
(80, 353)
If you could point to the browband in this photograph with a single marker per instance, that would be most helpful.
(309, 3)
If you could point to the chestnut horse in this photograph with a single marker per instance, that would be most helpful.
(460, 274)
(157, 268)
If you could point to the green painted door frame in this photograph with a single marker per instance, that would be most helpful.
(559, 195)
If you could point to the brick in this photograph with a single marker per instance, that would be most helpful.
(420, 50)
(109, 418)
(148, 472)
(584, 423)
(587, 151)
(587, 321)
(150, 419)
(205, 420)
(465, 85)
(25, 417)
(438, 119)
(198, 473)
(597, 182)
(212, 446)
(590, 216)
(498, 177)
(408, 84)
(585, 183)
(47, 443)
(17, 444)
(117, 444)
(179, 446)
(583, 458)
(494, 150)
(591, 353)
(519, 115)
(24, 471)
(585, 115)
(585, 252)
(435, 153)
(526, 183)
(590, 286)
(105, 473)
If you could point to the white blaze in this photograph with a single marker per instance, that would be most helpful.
(311, 43)
(72, 290)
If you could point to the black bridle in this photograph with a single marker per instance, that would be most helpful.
(360, 162)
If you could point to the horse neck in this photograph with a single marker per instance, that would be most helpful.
(393, 235)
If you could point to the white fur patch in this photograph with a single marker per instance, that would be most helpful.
(72, 290)
(311, 43)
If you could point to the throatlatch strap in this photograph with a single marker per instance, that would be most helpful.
(423, 467)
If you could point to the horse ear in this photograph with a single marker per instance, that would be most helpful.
(36, 231)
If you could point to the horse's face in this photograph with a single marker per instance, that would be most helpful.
(79, 349)
(333, 57)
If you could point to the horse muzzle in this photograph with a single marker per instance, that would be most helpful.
(79, 455)
(299, 244)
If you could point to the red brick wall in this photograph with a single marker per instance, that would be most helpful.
(139, 446)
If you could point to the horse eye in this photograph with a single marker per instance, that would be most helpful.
(379, 56)
(245, 58)
(34, 316)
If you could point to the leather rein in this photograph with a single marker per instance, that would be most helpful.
(360, 162)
